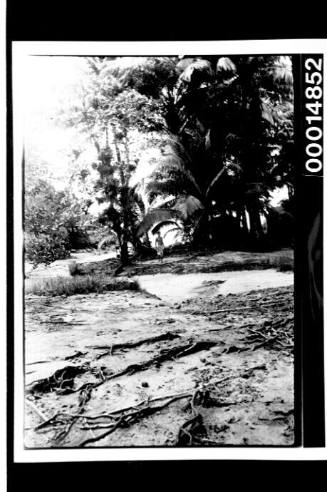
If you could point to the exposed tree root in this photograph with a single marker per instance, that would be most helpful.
(74, 356)
(64, 417)
(255, 307)
(64, 433)
(62, 379)
(189, 430)
(130, 418)
(121, 346)
(192, 431)
(164, 355)
(232, 327)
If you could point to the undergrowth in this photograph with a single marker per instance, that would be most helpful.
(80, 284)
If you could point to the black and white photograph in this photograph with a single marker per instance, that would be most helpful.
(158, 249)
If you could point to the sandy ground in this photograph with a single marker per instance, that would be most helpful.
(60, 268)
(202, 359)
(176, 288)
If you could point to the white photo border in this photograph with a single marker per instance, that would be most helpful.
(20, 52)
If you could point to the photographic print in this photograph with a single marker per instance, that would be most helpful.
(158, 238)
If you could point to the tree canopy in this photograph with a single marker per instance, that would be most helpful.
(222, 128)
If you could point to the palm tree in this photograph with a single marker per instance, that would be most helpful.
(233, 143)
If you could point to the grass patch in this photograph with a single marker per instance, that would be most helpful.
(80, 284)
(73, 268)
(282, 263)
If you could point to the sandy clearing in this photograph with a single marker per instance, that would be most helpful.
(176, 288)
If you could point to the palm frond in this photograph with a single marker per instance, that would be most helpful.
(225, 65)
(166, 223)
(282, 70)
(188, 206)
(179, 160)
(267, 113)
(197, 70)
(176, 230)
(154, 217)
(215, 179)
(182, 65)
(207, 140)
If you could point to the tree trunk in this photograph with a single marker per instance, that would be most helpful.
(147, 241)
(243, 221)
(124, 253)
(256, 231)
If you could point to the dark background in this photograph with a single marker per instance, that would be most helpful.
(73, 20)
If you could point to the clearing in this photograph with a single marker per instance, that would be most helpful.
(202, 355)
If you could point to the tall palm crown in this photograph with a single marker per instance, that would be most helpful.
(234, 141)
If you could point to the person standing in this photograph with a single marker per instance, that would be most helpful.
(159, 245)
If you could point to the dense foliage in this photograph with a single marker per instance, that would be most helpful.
(231, 143)
(222, 129)
(53, 223)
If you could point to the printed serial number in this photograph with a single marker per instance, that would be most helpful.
(313, 106)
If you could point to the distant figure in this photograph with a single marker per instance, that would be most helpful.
(159, 245)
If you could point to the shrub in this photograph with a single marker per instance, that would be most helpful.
(45, 248)
(284, 264)
(53, 223)
(73, 268)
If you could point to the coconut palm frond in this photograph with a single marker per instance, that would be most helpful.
(215, 179)
(109, 239)
(154, 217)
(225, 65)
(234, 165)
(187, 206)
(166, 223)
(284, 113)
(179, 159)
(267, 113)
(163, 187)
(180, 151)
(183, 64)
(207, 140)
(172, 179)
(282, 71)
(176, 230)
(195, 70)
